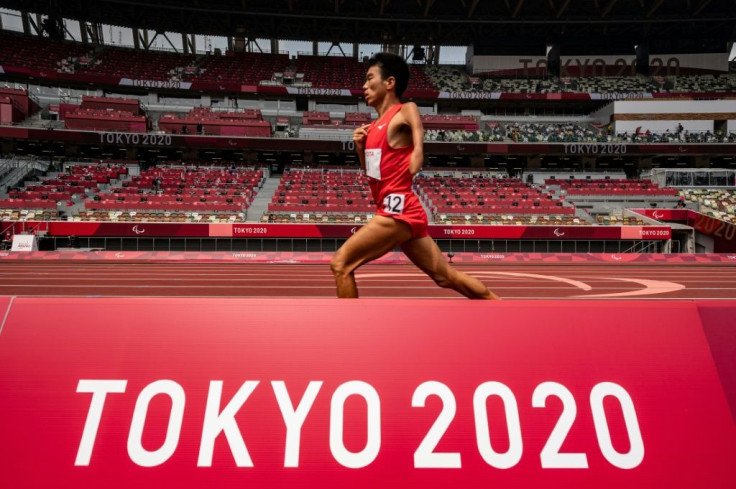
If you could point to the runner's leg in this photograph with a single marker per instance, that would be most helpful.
(379, 236)
(426, 255)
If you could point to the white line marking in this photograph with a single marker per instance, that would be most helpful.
(7, 313)
(574, 283)
(650, 287)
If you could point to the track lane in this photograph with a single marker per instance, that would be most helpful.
(532, 281)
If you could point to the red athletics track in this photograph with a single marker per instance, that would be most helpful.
(223, 279)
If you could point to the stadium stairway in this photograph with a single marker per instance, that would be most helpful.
(262, 199)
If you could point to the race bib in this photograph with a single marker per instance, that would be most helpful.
(394, 203)
(373, 163)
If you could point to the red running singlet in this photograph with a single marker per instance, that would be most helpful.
(389, 177)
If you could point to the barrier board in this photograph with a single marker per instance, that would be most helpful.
(24, 242)
(142, 393)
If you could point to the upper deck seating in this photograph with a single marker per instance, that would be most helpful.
(241, 68)
(138, 65)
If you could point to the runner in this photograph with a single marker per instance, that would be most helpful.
(391, 152)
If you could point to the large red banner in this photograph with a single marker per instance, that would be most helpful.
(250, 230)
(722, 232)
(370, 393)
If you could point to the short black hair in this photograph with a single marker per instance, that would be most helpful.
(392, 65)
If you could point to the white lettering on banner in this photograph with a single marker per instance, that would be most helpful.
(348, 145)
(513, 425)
(136, 452)
(425, 456)
(651, 233)
(127, 138)
(176, 85)
(217, 421)
(598, 66)
(294, 418)
(249, 230)
(620, 96)
(538, 64)
(470, 95)
(369, 453)
(329, 92)
(459, 231)
(635, 455)
(99, 390)
(594, 148)
(551, 457)
(245, 255)
(602, 65)
(672, 66)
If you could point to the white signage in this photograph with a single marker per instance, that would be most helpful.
(24, 242)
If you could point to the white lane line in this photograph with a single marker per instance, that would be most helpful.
(574, 283)
(7, 313)
(331, 286)
(651, 287)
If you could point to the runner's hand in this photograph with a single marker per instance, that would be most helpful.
(359, 136)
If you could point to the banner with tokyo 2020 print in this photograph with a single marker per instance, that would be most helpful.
(158, 392)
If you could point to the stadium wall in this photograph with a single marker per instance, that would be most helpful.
(6, 113)
(658, 126)
(601, 65)
(677, 63)
(605, 114)
(674, 106)
(509, 65)
(662, 115)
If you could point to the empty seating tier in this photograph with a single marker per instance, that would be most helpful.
(199, 191)
(311, 191)
(486, 196)
(612, 187)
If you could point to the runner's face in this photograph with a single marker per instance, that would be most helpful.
(374, 87)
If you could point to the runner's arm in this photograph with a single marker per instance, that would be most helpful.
(410, 111)
(359, 136)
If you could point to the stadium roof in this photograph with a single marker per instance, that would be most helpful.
(421, 22)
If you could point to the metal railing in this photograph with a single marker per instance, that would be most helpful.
(332, 244)
(19, 168)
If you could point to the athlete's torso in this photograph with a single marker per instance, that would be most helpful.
(386, 167)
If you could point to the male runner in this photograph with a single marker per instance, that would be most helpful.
(391, 152)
